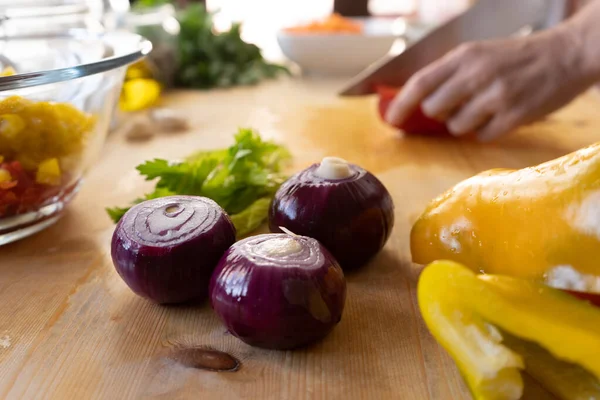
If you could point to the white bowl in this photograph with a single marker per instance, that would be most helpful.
(339, 53)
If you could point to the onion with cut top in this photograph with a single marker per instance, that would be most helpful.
(278, 291)
(343, 206)
(166, 249)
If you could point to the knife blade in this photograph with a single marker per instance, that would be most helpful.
(487, 19)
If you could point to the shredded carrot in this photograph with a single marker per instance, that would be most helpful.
(335, 23)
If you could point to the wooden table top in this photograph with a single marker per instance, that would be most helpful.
(71, 329)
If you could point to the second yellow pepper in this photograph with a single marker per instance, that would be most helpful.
(468, 313)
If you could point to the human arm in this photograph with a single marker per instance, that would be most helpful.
(491, 87)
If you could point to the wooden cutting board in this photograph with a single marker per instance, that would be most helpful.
(71, 329)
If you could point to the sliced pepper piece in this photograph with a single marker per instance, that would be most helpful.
(464, 311)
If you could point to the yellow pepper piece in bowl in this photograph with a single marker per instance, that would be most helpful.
(11, 125)
(524, 223)
(48, 172)
(32, 132)
(466, 313)
(5, 176)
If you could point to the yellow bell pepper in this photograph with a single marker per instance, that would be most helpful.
(8, 71)
(537, 222)
(139, 70)
(466, 313)
(141, 89)
(139, 94)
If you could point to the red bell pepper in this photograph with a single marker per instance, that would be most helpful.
(417, 123)
(593, 298)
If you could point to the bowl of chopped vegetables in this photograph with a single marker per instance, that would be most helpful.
(57, 97)
(337, 45)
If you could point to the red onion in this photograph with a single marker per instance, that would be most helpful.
(341, 205)
(166, 249)
(278, 291)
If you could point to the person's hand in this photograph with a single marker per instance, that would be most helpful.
(492, 87)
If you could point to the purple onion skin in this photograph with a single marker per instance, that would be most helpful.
(282, 304)
(167, 255)
(351, 217)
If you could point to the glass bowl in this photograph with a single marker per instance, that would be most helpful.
(54, 115)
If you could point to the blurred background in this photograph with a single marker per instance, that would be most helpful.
(224, 43)
(196, 45)
(261, 19)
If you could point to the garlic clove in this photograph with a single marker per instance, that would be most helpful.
(139, 129)
(168, 120)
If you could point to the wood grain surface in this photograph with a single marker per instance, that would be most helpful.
(71, 329)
